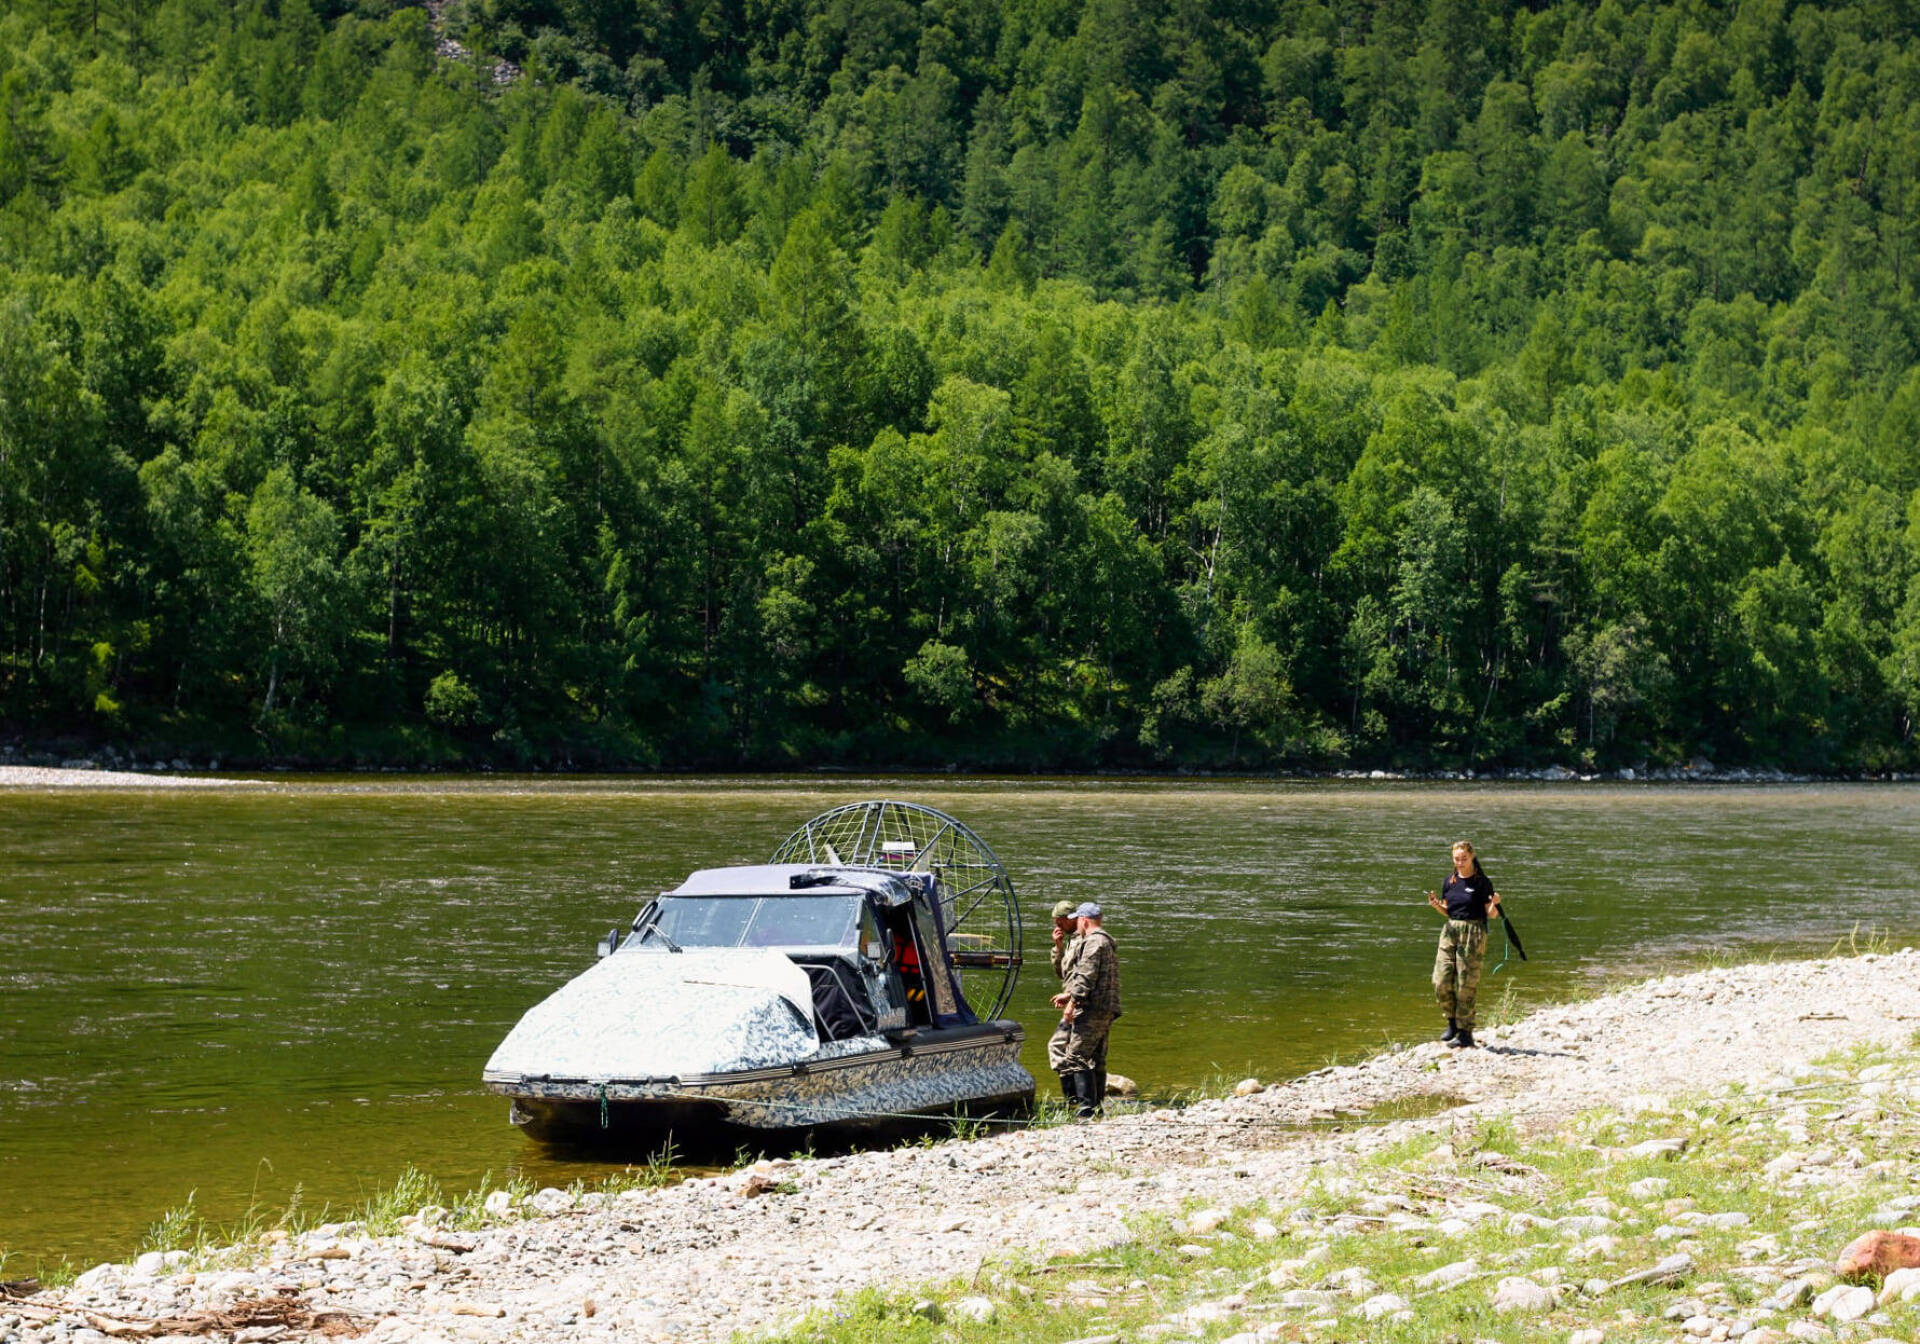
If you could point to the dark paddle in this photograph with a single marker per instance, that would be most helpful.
(1513, 937)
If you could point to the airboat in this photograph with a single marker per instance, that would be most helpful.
(854, 982)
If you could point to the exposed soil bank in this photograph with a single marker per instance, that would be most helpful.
(702, 1260)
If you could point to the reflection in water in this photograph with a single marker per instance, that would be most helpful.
(242, 992)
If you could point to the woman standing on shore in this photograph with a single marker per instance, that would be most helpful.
(1467, 899)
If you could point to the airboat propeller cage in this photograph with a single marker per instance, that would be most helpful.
(975, 916)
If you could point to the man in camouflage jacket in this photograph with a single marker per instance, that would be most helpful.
(1089, 1003)
(1065, 937)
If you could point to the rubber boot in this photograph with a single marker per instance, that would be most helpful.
(1099, 1090)
(1453, 1030)
(1070, 1089)
(1087, 1104)
(1463, 1040)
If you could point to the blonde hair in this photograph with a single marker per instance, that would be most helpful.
(1467, 845)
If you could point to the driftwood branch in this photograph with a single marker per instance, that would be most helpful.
(286, 1313)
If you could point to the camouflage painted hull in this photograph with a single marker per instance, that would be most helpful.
(862, 1085)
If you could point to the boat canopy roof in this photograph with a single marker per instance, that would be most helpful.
(778, 879)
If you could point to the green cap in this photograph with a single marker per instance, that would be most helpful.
(1061, 909)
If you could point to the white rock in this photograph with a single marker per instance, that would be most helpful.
(550, 1201)
(1262, 1229)
(1651, 1187)
(1522, 1295)
(1297, 1298)
(1662, 1148)
(1384, 1304)
(1791, 1294)
(1204, 1221)
(1447, 1275)
(149, 1265)
(498, 1204)
(1903, 1285)
(1595, 1248)
(1247, 1087)
(975, 1309)
(1844, 1302)
(1587, 1337)
(1584, 1225)
(1812, 1331)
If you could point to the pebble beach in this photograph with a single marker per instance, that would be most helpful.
(755, 1249)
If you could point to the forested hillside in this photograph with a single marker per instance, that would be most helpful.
(1003, 382)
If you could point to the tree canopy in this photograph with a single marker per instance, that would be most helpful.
(1212, 383)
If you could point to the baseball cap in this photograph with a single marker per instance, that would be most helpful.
(1087, 910)
(1063, 909)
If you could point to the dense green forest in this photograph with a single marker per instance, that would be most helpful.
(1025, 383)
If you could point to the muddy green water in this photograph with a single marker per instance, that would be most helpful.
(235, 994)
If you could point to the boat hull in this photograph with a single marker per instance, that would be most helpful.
(875, 1085)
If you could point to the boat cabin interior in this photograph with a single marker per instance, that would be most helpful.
(866, 952)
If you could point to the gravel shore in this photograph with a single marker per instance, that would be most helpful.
(750, 1250)
(48, 777)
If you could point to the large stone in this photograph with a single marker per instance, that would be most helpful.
(1297, 1299)
(1583, 1225)
(1246, 1087)
(1587, 1337)
(1671, 1269)
(550, 1201)
(1383, 1304)
(1661, 1148)
(1522, 1295)
(1878, 1253)
(1205, 1221)
(1119, 1085)
(1903, 1285)
(1791, 1294)
(1447, 1275)
(1844, 1302)
(975, 1309)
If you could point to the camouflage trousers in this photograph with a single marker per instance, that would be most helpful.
(1456, 967)
(1079, 1046)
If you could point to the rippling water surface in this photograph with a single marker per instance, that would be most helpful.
(236, 994)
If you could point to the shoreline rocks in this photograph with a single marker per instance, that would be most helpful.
(652, 1264)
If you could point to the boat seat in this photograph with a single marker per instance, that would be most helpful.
(839, 1011)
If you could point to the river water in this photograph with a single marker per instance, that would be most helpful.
(239, 994)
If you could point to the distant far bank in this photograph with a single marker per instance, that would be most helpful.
(116, 772)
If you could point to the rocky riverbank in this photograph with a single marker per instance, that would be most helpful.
(755, 1249)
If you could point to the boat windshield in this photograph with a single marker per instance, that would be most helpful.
(756, 921)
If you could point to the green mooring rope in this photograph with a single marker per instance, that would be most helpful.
(1507, 954)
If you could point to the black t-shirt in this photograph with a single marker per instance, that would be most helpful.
(1467, 897)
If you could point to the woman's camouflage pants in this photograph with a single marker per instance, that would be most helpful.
(1456, 968)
